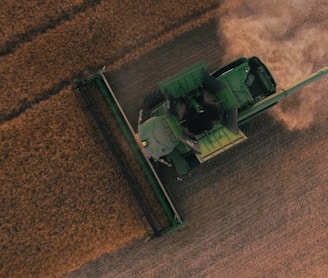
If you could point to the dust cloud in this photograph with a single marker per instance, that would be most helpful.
(291, 38)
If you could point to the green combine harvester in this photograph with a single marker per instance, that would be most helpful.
(194, 116)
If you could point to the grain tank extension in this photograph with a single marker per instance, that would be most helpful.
(197, 115)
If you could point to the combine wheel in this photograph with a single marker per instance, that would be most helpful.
(153, 99)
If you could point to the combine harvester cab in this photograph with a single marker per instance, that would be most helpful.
(197, 115)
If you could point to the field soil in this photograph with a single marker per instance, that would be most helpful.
(258, 210)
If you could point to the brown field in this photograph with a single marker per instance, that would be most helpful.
(258, 210)
(84, 42)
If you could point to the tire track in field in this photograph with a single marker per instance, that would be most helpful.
(129, 53)
(29, 14)
(21, 38)
(26, 104)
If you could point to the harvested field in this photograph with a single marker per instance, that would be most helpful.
(258, 210)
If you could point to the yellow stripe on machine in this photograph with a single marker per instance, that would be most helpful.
(218, 141)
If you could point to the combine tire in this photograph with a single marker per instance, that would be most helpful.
(153, 100)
